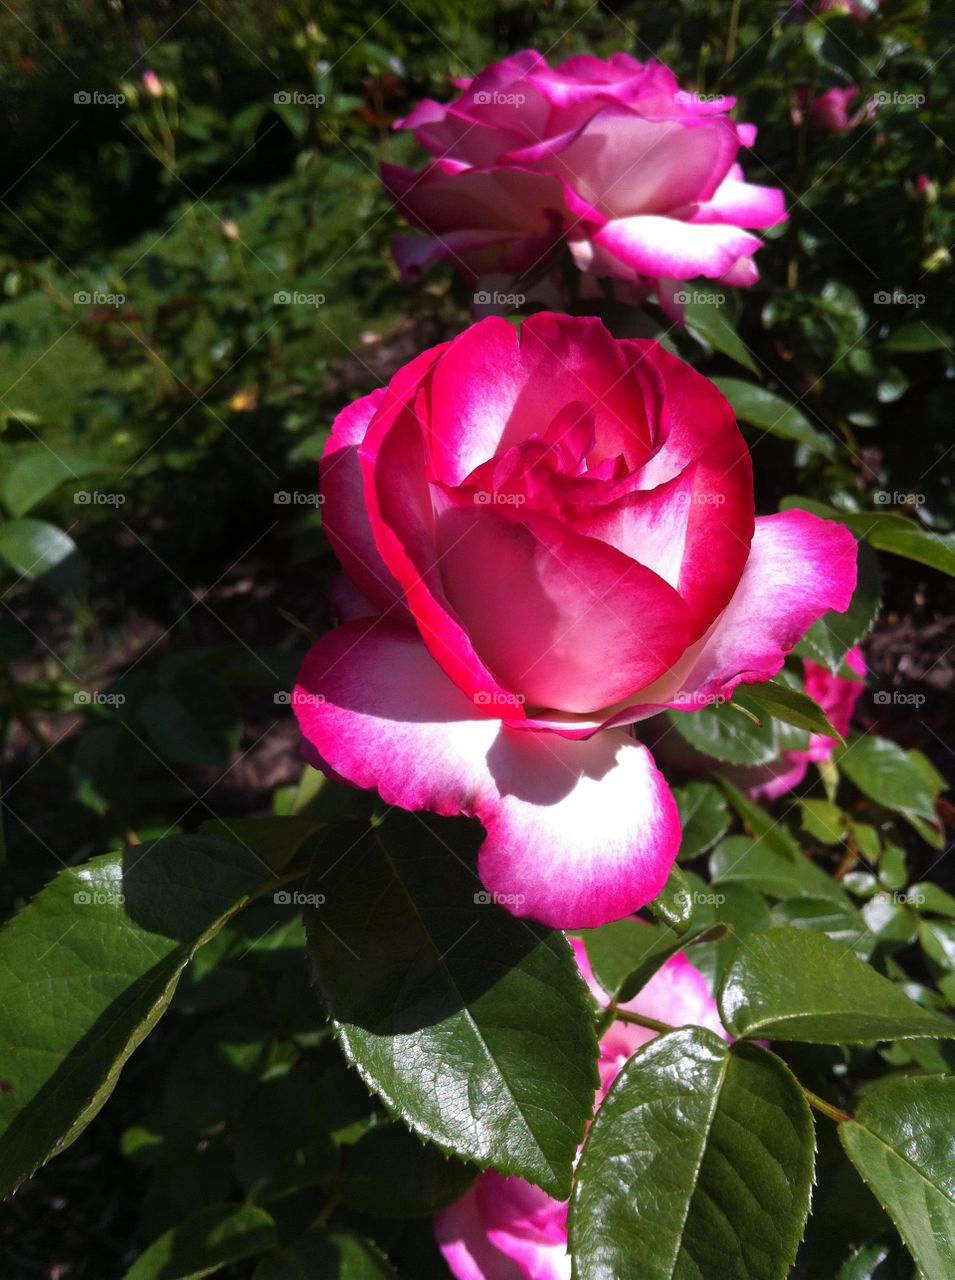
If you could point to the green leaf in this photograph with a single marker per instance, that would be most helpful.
(326, 1253)
(783, 987)
(710, 321)
(844, 924)
(887, 532)
(275, 840)
(90, 966)
(824, 821)
(212, 1238)
(703, 817)
(740, 860)
(473, 1026)
(625, 955)
(762, 824)
(762, 408)
(830, 639)
(34, 476)
(886, 774)
(792, 707)
(901, 1143)
(390, 1174)
(722, 733)
(279, 1144)
(44, 554)
(673, 905)
(918, 336)
(699, 1163)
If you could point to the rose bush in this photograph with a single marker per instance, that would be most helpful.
(551, 536)
(639, 177)
(506, 1229)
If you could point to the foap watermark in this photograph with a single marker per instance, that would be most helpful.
(894, 698)
(896, 298)
(886, 99)
(487, 498)
(293, 298)
(485, 899)
(686, 98)
(283, 498)
(98, 498)
(296, 898)
(492, 98)
(297, 698)
(893, 498)
(696, 701)
(485, 298)
(292, 98)
(85, 698)
(699, 499)
(698, 899)
(98, 898)
(696, 297)
(498, 698)
(96, 98)
(901, 898)
(97, 298)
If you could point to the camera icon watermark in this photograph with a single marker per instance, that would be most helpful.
(94, 98)
(98, 898)
(292, 98)
(295, 898)
(498, 698)
(485, 498)
(894, 698)
(485, 298)
(293, 298)
(284, 498)
(484, 899)
(484, 98)
(893, 498)
(297, 698)
(696, 297)
(85, 698)
(98, 498)
(896, 298)
(97, 298)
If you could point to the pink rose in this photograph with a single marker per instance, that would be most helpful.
(637, 176)
(829, 112)
(551, 536)
(506, 1229)
(837, 696)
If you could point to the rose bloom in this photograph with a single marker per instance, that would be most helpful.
(837, 695)
(507, 1229)
(549, 536)
(829, 112)
(637, 176)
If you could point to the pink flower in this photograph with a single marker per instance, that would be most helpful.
(551, 536)
(638, 177)
(829, 112)
(152, 84)
(506, 1229)
(837, 696)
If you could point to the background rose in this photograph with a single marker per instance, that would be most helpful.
(637, 175)
(555, 537)
(506, 1229)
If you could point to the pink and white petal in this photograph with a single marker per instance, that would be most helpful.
(657, 246)
(462, 1238)
(583, 832)
(378, 710)
(344, 517)
(526, 1225)
(395, 464)
(743, 204)
(539, 601)
(800, 567)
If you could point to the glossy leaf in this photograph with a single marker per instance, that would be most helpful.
(709, 320)
(740, 860)
(901, 1143)
(887, 774)
(473, 1026)
(34, 476)
(792, 707)
(772, 413)
(699, 1163)
(91, 965)
(625, 955)
(703, 817)
(792, 984)
(42, 553)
